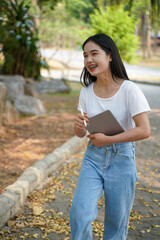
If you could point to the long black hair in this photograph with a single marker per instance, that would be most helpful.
(116, 65)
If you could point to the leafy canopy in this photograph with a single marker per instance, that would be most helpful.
(117, 23)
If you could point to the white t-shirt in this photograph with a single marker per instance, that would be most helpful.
(124, 105)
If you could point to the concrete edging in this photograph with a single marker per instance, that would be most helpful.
(147, 82)
(14, 196)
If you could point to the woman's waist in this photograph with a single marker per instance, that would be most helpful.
(115, 146)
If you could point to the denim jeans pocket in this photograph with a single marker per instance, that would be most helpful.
(91, 146)
(126, 153)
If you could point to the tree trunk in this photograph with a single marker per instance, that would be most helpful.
(143, 35)
(37, 20)
(148, 46)
(155, 43)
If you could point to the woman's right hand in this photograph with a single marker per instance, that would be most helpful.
(80, 129)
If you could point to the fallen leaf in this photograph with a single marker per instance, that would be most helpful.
(10, 223)
(35, 235)
(37, 210)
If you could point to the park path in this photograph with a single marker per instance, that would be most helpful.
(45, 214)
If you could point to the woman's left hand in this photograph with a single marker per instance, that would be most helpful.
(99, 139)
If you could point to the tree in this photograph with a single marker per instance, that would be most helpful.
(80, 8)
(59, 29)
(19, 39)
(149, 13)
(117, 23)
(155, 18)
(47, 4)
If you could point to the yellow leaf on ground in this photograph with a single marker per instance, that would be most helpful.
(10, 223)
(37, 210)
(156, 226)
(35, 235)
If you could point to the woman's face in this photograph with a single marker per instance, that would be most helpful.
(96, 60)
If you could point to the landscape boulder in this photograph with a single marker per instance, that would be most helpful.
(29, 88)
(11, 114)
(19, 95)
(2, 101)
(14, 84)
(51, 86)
(28, 105)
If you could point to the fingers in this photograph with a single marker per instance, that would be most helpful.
(79, 120)
(92, 136)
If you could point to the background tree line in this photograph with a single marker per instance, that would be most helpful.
(26, 25)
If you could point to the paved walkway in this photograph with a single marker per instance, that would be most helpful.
(46, 212)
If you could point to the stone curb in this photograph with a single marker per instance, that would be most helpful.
(147, 82)
(14, 196)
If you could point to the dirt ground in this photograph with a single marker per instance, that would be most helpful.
(32, 138)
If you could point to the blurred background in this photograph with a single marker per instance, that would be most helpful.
(37, 34)
(40, 65)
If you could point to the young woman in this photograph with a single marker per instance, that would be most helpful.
(109, 163)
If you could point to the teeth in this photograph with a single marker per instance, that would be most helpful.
(94, 66)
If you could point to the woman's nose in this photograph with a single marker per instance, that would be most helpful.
(89, 59)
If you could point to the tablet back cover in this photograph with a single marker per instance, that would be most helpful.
(105, 123)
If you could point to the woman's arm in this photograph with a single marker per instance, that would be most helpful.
(79, 127)
(140, 131)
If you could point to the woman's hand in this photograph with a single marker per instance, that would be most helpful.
(79, 121)
(79, 127)
(99, 139)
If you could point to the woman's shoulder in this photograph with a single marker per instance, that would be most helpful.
(129, 85)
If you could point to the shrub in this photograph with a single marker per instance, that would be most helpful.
(19, 39)
(117, 23)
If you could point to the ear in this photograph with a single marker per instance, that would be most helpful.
(110, 57)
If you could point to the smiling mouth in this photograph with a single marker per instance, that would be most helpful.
(91, 68)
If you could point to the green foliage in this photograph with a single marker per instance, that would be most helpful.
(79, 8)
(19, 39)
(155, 15)
(140, 7)
(117, 23)
(47, 5)
(59, 29)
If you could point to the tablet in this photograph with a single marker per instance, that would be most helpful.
(104, 123)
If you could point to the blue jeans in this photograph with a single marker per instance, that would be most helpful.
(112, 169)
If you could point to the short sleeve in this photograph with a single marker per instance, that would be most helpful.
(137, 101)
(82, 100)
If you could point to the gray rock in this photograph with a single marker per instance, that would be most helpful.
(14, 84)
(29, 88)
(51, 86)
(11, 114)
(28, 105)
(2, 101)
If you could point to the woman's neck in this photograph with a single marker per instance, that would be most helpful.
(105, 80)
(106, 88)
